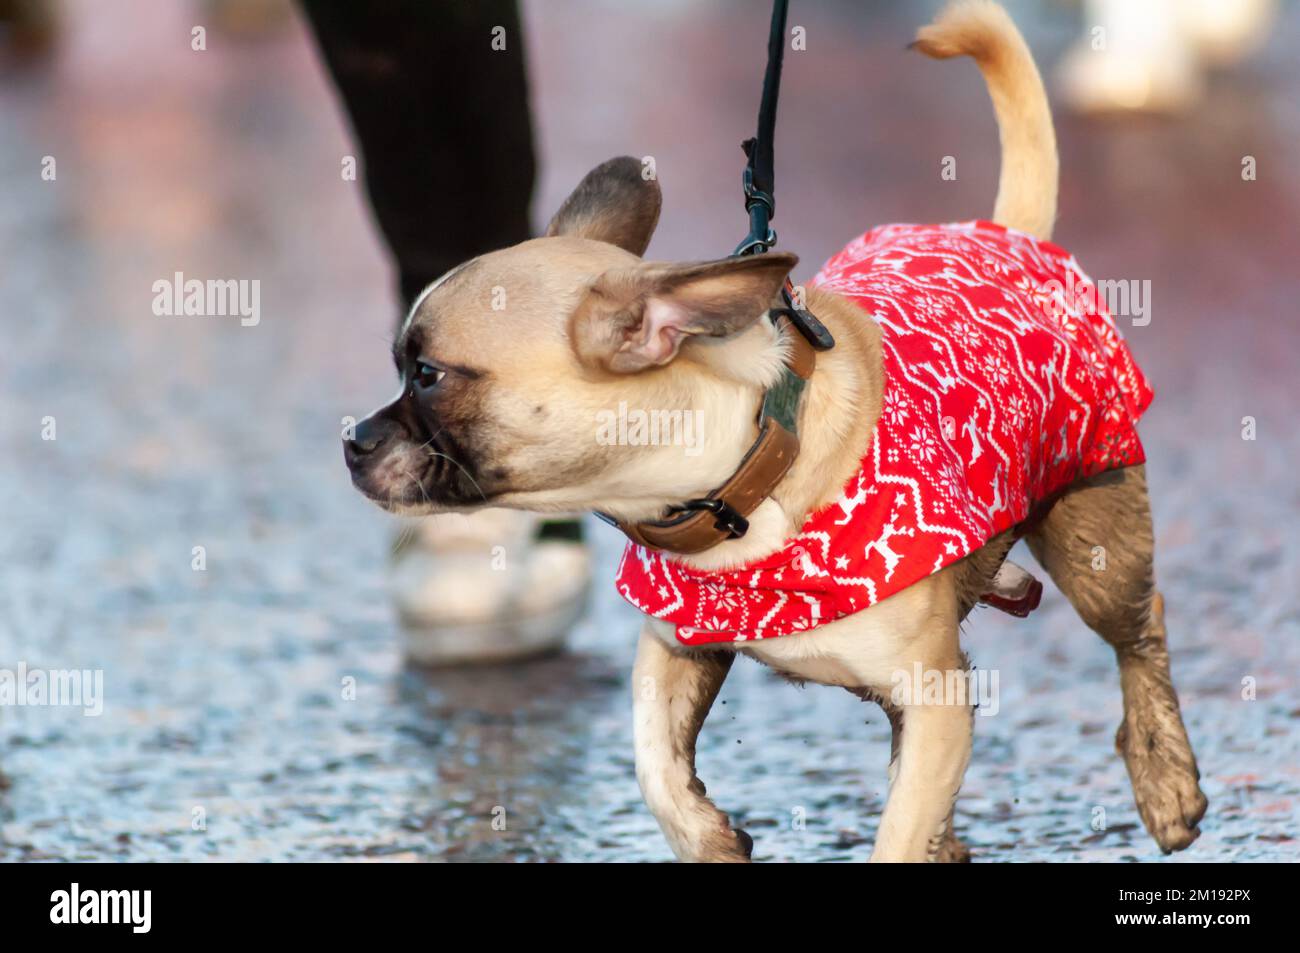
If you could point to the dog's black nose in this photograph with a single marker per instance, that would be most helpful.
(371, 434)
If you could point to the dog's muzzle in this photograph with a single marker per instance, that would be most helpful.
(385, 461)
(370, 437)
(396, 460)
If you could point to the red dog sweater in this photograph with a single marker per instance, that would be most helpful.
(1006, 380)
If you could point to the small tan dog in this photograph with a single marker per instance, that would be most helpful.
(497, 409)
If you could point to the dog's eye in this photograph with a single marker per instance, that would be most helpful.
(426, 375)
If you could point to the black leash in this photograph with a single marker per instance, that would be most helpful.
(760, 172)
(778, 412)
(759, 180)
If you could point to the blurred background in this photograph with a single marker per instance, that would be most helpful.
(228, 731)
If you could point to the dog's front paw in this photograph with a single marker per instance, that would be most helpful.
(951, 851)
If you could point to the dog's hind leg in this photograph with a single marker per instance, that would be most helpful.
(672, 693)
(1097, 545)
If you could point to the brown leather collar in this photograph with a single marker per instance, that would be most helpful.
(700, 524)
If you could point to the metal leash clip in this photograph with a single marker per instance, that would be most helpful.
(761, 207)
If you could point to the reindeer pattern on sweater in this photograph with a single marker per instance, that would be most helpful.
(1006, 380)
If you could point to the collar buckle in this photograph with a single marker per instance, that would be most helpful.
(727, 518)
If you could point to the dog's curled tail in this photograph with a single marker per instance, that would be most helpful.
(983, 31)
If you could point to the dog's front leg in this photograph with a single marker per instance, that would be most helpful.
(951, 849)
(932, 742)
(672, 693)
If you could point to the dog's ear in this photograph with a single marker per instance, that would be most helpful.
(634, 318)
(615, 203)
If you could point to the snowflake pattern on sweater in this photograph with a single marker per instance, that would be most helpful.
(1006, 380)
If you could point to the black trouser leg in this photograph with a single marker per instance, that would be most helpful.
(442, 122)
(443, 127)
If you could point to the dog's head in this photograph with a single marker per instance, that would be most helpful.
(520, 369)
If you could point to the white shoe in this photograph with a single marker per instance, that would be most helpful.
(483, 588)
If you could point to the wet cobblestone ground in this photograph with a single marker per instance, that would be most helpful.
(224, 688)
